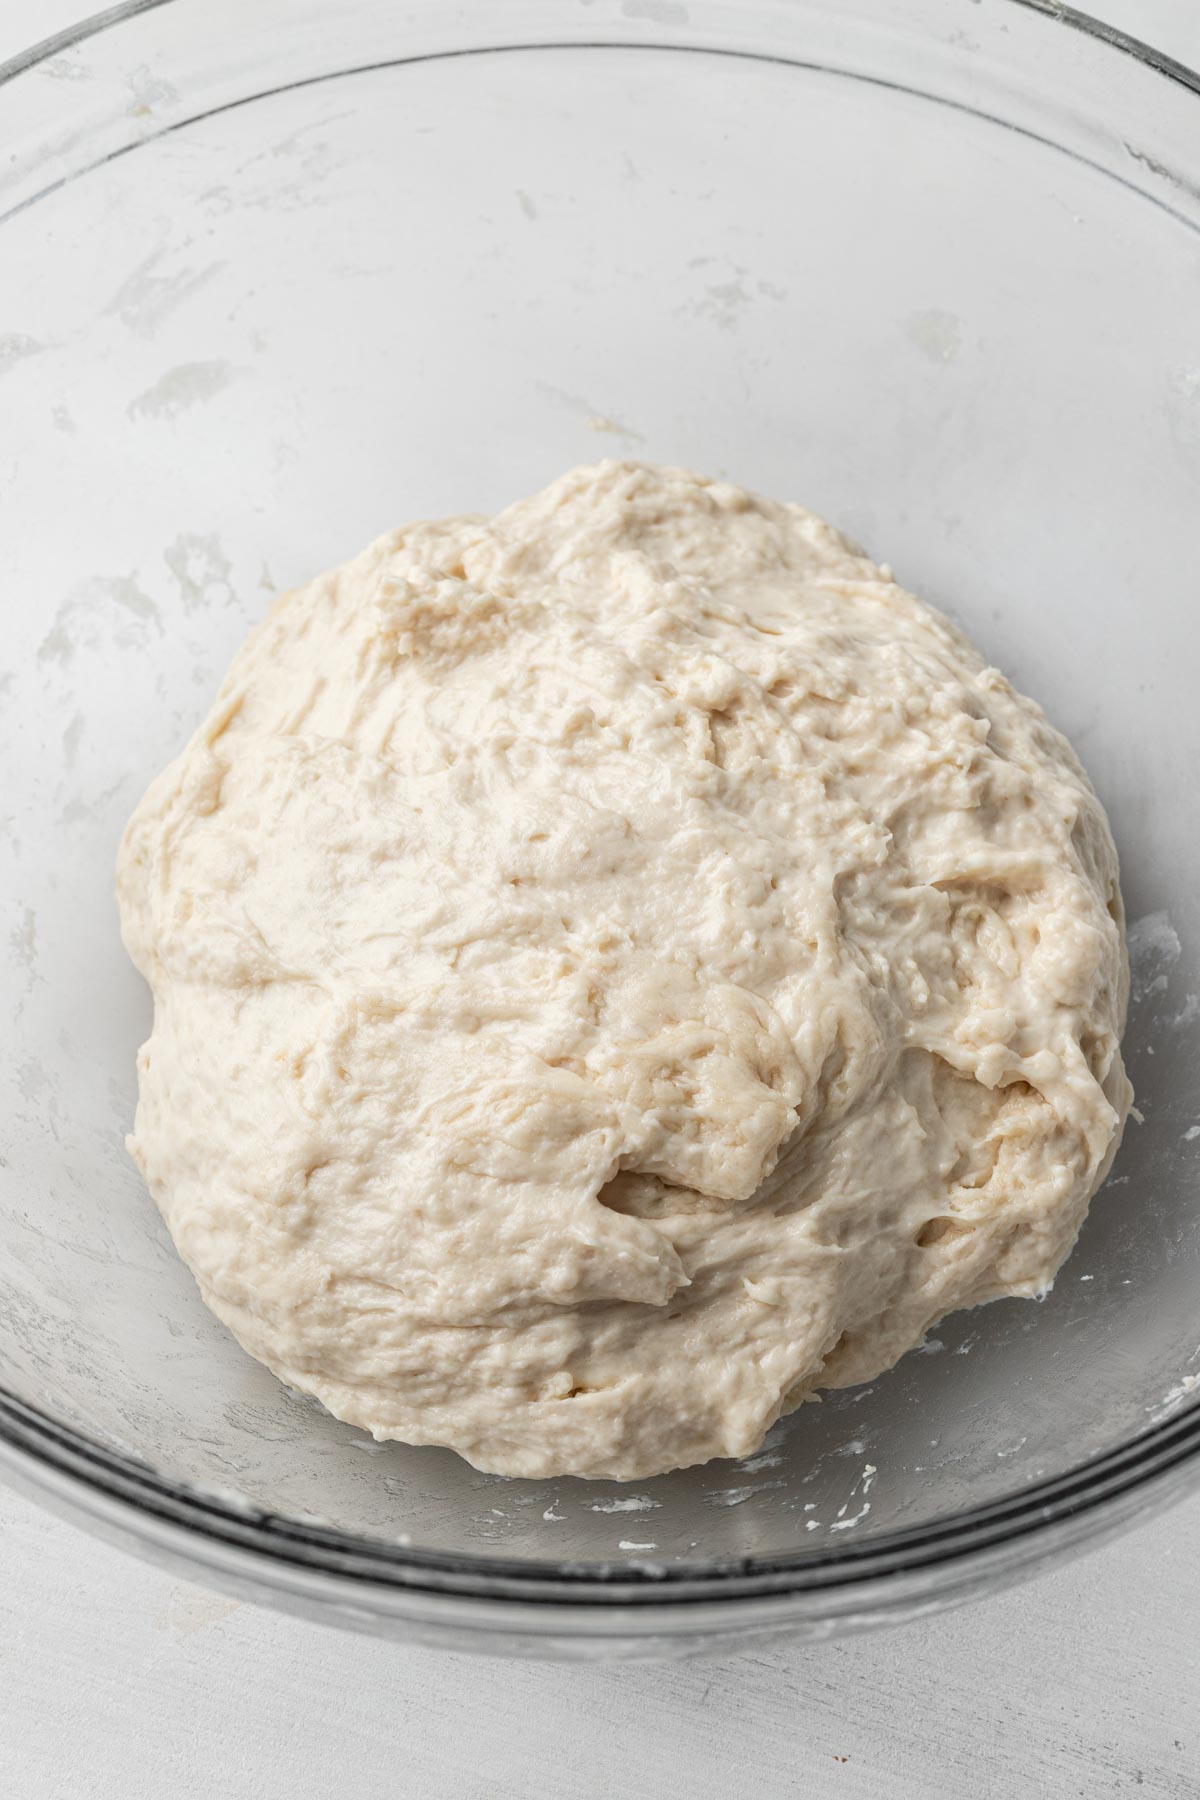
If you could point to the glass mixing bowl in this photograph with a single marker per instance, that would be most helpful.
(275, 277)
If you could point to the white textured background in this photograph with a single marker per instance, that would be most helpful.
(119, 1683)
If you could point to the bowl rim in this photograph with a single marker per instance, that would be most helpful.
(1088, 1491)
(1152, 1464)
(1071, 17)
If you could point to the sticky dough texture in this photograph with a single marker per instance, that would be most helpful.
(619, 967)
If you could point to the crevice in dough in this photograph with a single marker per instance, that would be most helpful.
(941, 1231)
(642, 1196)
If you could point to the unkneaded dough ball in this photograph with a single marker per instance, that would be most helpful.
(619, 967)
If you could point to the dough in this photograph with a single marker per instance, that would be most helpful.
(619, 967)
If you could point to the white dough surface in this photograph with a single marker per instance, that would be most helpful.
(620, 966)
